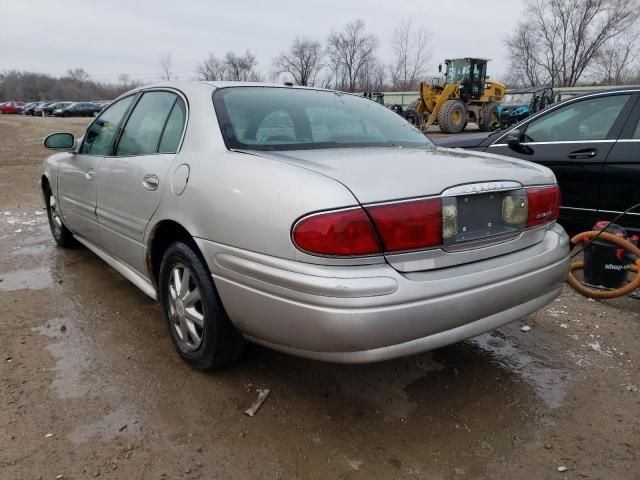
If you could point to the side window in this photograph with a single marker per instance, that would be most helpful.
(99, 136)
(636, 133)
(173, 130)
(589, 119)
(141, 134)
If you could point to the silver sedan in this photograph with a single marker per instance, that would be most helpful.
(314, 222)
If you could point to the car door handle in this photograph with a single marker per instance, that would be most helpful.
(150, 182)
(586, 153)
(90, 175)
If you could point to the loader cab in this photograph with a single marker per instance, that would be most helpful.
(470, 73)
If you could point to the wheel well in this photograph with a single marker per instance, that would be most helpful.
(44, 184)
(164, 234)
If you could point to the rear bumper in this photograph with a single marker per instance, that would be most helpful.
(370, 313)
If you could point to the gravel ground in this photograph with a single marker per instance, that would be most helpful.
(91, 386)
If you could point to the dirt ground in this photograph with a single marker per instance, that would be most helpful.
(91, 386)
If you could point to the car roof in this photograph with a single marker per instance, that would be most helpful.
(187, 86)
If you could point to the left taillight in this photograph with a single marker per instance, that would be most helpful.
(346, 232)
(394, 227)
(544, 205)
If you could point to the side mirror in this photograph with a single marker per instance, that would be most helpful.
(59, 141)
(440, 68)
(513, 137)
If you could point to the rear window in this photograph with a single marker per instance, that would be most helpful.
(273, 118)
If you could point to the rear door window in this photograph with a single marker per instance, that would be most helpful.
(141, 134)
(172, 134)
(585, 120)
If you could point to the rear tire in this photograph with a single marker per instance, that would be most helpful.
(412, 116)
(61, 234)
(489, 117)
(198, 325)
(452, 117)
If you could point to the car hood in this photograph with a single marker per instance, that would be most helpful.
(382, 174)
(463, 141)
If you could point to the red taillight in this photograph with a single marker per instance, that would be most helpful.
(544, 205)
(408, 225)
(345, 232)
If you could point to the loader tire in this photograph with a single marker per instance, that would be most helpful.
(489, 117)
(452, 117)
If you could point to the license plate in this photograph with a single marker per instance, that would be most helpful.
(479, 217)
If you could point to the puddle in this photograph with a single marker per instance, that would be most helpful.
(117, 424)
(26, 279)
(72, 357)
(550, 384)
(38, 250)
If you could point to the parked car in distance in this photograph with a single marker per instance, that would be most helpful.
(310, 221)
(29, 108)
(48, 108)
(77, 109)
(102, 104)
(591, 143)
(11, 107)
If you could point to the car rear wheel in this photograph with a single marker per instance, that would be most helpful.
(199, 327)
(61, 234)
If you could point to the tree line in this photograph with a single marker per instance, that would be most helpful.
(559, 43)
(75, 85)
(563, 43)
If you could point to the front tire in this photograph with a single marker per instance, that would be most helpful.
(452, 117)
(199, 327)
(61, 234)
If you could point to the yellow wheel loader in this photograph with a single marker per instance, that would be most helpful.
(467, 95)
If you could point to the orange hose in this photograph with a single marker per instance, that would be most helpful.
(595, 293)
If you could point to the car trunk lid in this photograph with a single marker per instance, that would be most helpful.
(380, 175)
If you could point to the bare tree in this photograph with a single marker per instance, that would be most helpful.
(352, 49)
(526, 69)
(615, 63)
(303, 61)
(240, 68)
(78, 76)
(212, 69)
(565, 36)
(410, 47)
(166, 66)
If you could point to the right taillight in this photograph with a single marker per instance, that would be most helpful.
(544, 205)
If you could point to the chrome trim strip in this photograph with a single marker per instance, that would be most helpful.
(629, 140)
(579, 208)
(617, 212)
(567, 142)
(481, 187)
(128, 273)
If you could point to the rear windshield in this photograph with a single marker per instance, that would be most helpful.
(273, 118)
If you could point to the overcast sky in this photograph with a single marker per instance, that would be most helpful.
(112, 37)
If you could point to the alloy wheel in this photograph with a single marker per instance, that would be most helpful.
(56, 220)
(185, 307)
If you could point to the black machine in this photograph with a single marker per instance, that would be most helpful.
(607, 265)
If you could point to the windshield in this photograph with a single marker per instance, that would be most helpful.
(457, 70)
(517, 98)
(273, 118)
